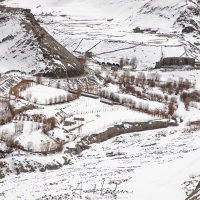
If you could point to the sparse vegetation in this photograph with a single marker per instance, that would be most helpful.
(128, 62)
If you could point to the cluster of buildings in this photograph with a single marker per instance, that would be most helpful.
(176, 61)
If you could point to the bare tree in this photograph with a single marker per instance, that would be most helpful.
(121, 62)
(19, 126)
(55, 99)
(39, 79)
(28, 96)
(35, 100)
(30, 146)
(171, 108)
(58, 85)
(50, 100)
(45, 147)
(126, 61)
(133, 62)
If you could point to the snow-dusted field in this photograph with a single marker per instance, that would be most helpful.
(108, 36)
(42, 94)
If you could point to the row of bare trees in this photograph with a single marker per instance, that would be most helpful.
(61, 99)
(45, 147)
(140, 85)
(189, 97)
(152, 80)
(141, 106)
(5, 112)
(9, 140)
(23, 85)
(12, 143)
(54, 100)
(49, 147)
(46, 124)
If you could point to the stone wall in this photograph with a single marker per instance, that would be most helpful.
(129, 127)
(126, 127)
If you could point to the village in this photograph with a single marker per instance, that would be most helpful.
(50, 109)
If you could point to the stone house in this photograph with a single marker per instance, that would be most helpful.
(170, 61)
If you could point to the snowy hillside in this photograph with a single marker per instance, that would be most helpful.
(25, 46)
(146, 13)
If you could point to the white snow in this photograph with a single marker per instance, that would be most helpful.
(42, 93)
(148, 165)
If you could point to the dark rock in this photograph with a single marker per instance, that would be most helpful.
(195, 195)
(43, 169)
(66, 160)
(188, 29)
(52, 166)
(2, 175)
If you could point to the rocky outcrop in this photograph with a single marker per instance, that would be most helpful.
(188, 19)
(195, 195)
(27, 166)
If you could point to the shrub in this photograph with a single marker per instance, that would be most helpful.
(10, 142)
(171, 108)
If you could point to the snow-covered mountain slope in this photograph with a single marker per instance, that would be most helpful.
(26, 46)
(101, 26)
(157, 14)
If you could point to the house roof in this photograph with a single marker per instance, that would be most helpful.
(178, 58)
